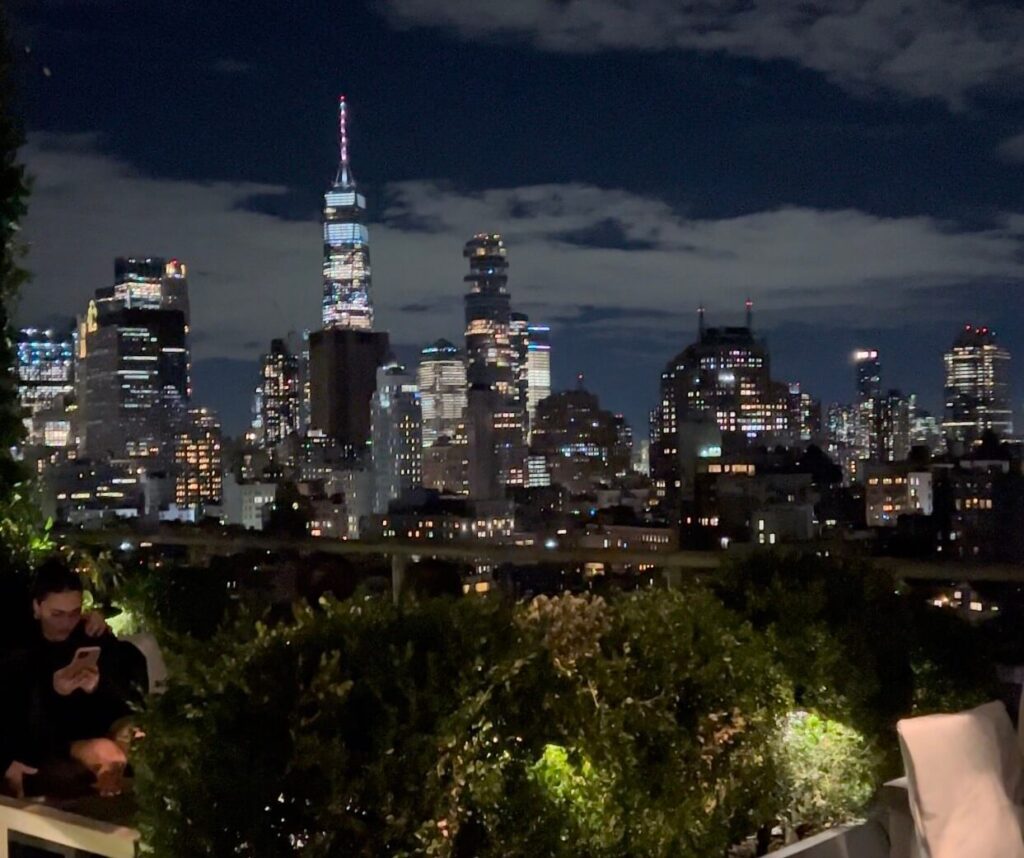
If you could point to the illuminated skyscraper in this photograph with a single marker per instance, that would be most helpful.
(346, 300)
(538, 367)
(45, 385)
(278, 410)
(841, 435)
(977, 387)
(519, 342)
(488, 346)
(867, 410)
(397, 432)
(133, 369)
(804, 414)
(723, 377)
(583, 445)
(442, 382)
(198, 463)
(894, 422)
(147, 283)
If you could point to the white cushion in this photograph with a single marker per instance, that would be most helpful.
(966, 783)
(155, 665)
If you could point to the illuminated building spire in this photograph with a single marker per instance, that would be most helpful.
(344, 178)
(347, 279)
(750, 314)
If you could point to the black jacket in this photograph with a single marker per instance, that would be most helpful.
(36, 723)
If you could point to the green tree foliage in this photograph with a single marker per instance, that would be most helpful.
(13, 195)
(22, 535)
(857, 652)
(658, 723)
(570, 726)
(953, 661)
(839, 628)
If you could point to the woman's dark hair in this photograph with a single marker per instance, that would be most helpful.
(55, 576)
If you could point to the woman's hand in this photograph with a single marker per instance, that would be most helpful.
(94, 624)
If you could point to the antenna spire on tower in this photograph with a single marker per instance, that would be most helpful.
(344, 172)
(700, 320)
(750, 314)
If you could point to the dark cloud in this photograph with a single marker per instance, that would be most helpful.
(590, 315)
(609, 233)
(941, 49)
(1012, 149)
(285, 204)
(409, 222)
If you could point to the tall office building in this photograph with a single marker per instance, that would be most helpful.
(298, 344)
(538, 367)
(397, 432)
(441, 377)
(519, 343)
(198, 477)
(345, 355)
(925, 428)
(46, 383)
(583, 445)
(133, 369)
(867, 410)
(147, 283)
(279, 395)
(894, 425)
(726, 376)
(977, 389)
(488, 317)
(841, 435)
(343, 376)
(481, 446)
(804, 414)
(346, 299)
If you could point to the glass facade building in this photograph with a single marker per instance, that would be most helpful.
(584, 446)
(346, 298)
(724, 377)
(133, 375)
(519, 342)
(538, 367)
(46, 382)
(977, 389)
(441, 377)
(198, 461)
(867, 440)
(278, 408)
(489, 358)
(397, 428)
(147, 283)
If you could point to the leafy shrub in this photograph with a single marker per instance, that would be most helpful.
(568, 726)
(827, 771)
(24, 534)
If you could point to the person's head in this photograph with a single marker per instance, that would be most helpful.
(57, 599)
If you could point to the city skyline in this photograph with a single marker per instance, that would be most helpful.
(589, 218)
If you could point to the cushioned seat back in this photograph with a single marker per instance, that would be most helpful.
(966, 782)
(148, 646)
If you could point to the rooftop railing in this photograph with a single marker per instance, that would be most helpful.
(57, 832)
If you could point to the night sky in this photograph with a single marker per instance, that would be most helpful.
(856, 172)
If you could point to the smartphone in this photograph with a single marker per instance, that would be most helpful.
(85, 657)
